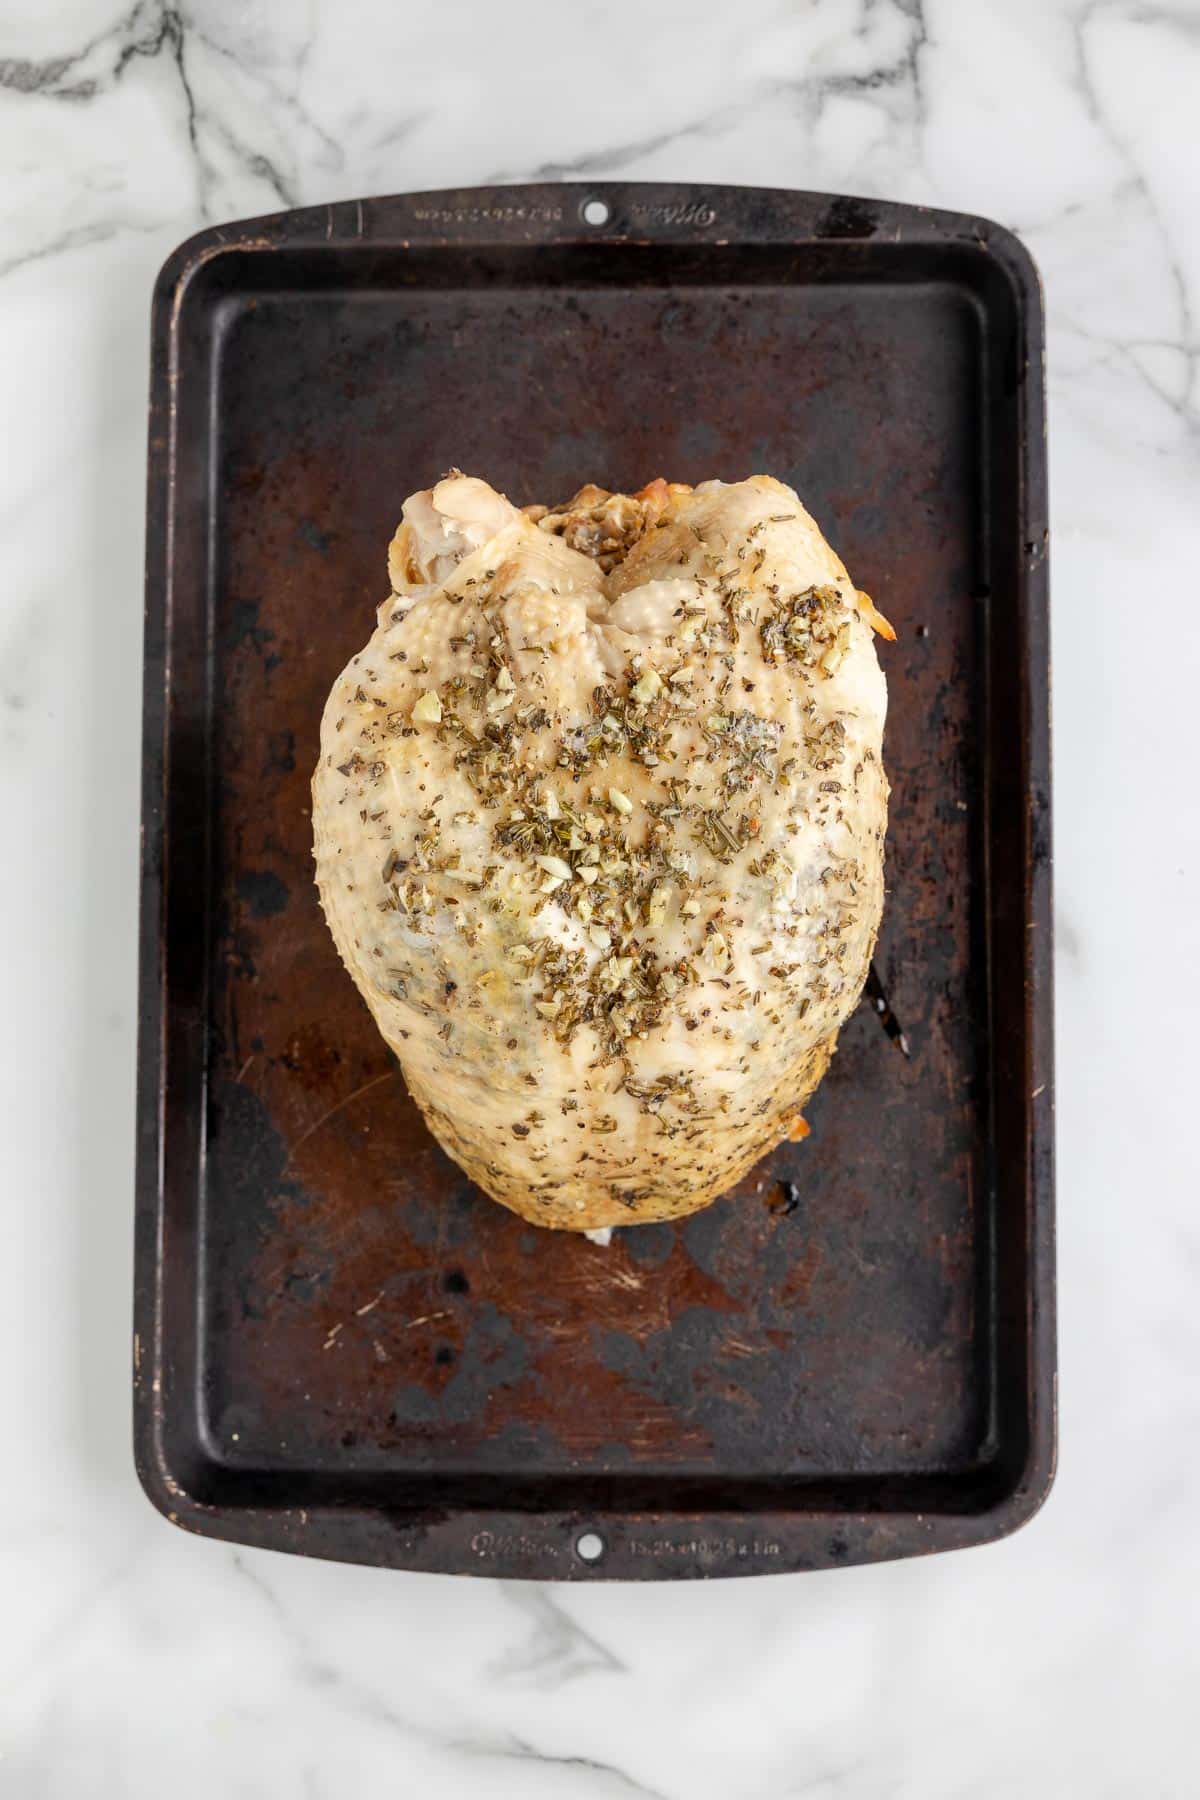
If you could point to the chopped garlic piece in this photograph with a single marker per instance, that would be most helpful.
(555, 865)
(659, 903)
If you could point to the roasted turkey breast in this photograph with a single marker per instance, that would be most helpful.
(599, 820)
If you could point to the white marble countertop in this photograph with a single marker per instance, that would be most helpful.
(1064, 1662)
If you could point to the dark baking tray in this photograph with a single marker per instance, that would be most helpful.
(341, 1347)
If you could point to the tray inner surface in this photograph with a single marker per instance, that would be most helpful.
(365, 1324)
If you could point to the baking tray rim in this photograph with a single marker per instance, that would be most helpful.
(542, 1544)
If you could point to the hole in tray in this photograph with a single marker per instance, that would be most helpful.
(590, 1547)
(596, 212)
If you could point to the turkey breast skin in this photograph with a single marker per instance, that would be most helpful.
(599, 824)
